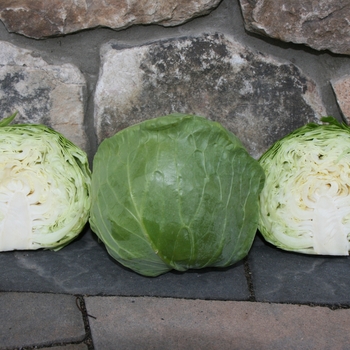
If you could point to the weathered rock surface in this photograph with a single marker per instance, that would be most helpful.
(40, 18)
(322, 25)
(341, 88)
(42, 93)
(254, 96)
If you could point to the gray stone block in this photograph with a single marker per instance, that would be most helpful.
(42, 93)
(153, 323)
(257, 97)
(29, 319)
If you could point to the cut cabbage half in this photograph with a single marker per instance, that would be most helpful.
(305, 203)
(44, 188)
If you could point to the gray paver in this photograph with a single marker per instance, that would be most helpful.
(160, 323)
(281, 276)
(29, 319)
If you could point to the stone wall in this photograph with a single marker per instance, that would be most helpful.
(91, 68)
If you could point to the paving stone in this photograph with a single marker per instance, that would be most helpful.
(29, 319)
(153, 323)
(281, 276)
(84, 267)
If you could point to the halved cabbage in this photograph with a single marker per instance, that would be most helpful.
(44, 188)
(305, 203)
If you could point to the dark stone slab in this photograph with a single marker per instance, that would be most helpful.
(84, 267)
(281, 276)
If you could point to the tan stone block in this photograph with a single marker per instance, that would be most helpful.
(341, 89)
(39, 18)
(322, 25)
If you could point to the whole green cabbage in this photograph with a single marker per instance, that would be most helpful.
(175, 192)
(44, 188)
(305, 203)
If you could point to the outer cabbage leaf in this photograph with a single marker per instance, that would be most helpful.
(305, 203)
(175, 192)
(44, 188)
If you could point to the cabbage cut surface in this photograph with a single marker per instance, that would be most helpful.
(305, 204)
(44, 188)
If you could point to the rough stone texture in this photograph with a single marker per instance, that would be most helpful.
(42, 93)
(29, 319)
(39, 18)
(341, 88)
(322, 25)
(153, 323)
(255, 96)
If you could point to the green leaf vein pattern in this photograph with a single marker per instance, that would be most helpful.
(175, 192)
